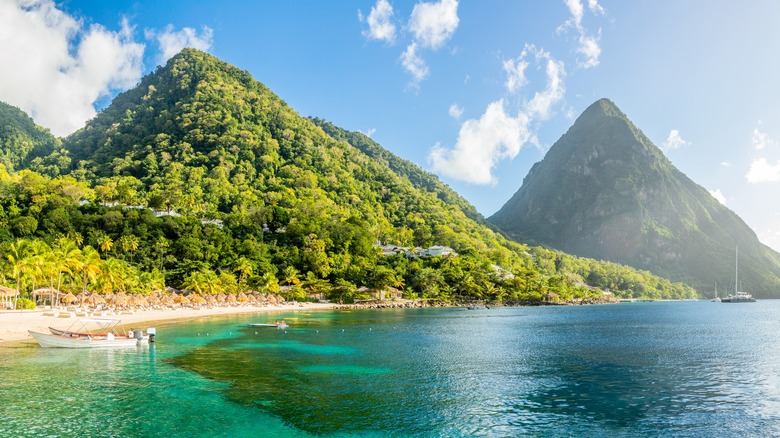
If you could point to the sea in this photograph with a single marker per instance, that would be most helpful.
(677, 369)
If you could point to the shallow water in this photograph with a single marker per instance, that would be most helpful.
(639, 369)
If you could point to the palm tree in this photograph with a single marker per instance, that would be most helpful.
(18, 254)
(65, 257)
(290, 275)
(244, 269)
(129, 243)
(105, 242)
(161, 244)
(89, 267)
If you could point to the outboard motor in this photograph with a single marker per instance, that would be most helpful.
(151, 332)
(138, 335)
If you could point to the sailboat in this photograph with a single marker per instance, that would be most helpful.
(737, 296)
(717, 298)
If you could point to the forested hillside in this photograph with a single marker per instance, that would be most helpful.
(201, 177)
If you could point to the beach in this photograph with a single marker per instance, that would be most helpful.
(14, 325)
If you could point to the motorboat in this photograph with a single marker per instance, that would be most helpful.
(280, 325)
(93, 333)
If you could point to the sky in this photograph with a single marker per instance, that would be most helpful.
(474, 91)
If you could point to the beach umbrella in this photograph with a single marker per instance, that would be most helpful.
(230, 298)
(167, 300)
(221, 297)
(95, 299)
(210, 299)
(197, 299)
(179, 299)
(69, 298)
(120, 299)
(153, 300)
(242, 298)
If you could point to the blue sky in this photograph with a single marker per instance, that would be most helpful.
(474, 91)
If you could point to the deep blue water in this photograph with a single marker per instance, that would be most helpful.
(640, 369)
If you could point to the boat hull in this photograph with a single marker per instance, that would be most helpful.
(267, 325)
(47, 340)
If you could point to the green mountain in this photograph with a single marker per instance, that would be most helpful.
(201, 177)
(603, 190)
(21, 140)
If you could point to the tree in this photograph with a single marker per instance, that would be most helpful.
(18, 256)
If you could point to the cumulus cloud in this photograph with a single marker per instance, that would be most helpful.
(433, 24)
(482, 143)
(56, 67)
(380, 26)
(674, 141)
(718, 195)
(761, 171)
(414, 64)
(761, 140)
(172, 42)
(456, 111)
(589, 46)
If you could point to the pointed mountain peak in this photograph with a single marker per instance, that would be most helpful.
(605, 191)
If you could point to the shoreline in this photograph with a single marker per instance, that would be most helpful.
(14, 324)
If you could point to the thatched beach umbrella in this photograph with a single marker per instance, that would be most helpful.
(210, 299)
(230, 298)
(197, 299)
(242, 298)
(221, 298)
(69, 298)
(95, 299)
(167, 301)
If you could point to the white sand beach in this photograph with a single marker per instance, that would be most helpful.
(15, 324)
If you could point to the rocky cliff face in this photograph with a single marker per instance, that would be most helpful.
(605, 191)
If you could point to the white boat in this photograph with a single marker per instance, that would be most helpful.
(92, 333)
(280, 325)
(738, 296)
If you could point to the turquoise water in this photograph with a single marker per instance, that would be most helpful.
(641, 369)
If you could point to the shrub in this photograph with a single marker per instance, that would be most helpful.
(24, 303)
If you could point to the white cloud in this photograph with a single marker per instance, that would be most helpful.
(588, 45)
(56, 68)
(762, 171)
(674, 141)
(718, 195)
(369, 132)
(380, 26)
(433, 24)
(172, 42)
(761, 140)
(480, 145)
(456, 111)
(576, 10)
(496, 135)
(595, 7)
(515, 74)
(590, 49)
(414, 64)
